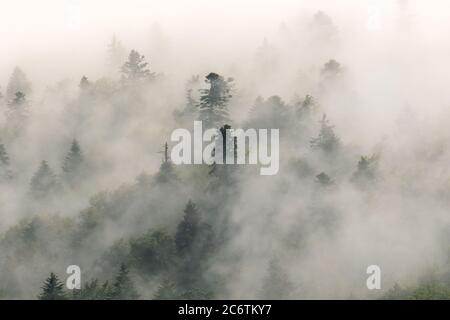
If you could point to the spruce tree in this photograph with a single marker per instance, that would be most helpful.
(136, 68)
(188, 229)
(52, 289)
(17, 115)
(214, 100)
(327, 140)
(18, 82)
(123, 288)
(276, 284)
(116, 55)
(5, 172)
(43, 182)
(73, 162)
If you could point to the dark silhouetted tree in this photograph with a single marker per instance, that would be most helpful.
(366, 171)
(123, 287)
(52, 289)
(214, 100)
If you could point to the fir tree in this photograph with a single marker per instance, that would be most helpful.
(136, 68)
(123, 288)
(17, 115)
(214, 100)
(276, 285)
(73, 162)
(327, 140)
(116, 55)
(5, 172)
(52, 289)
(166, 171)
(366, 171)
(188, 229)
(43, 182)
(18, 82)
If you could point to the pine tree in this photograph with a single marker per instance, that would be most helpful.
(116, 55)
(276, 285)
(188, 229)
(18, 82)
(5, 172)
(135, 68)
(93, 291)
(123, 288)
(73, 162)
(84, 83)
(213, 101)
(52, 289)
(167, 290)
(17, 115)
(327, 140)
(366, 171)
(166, 171)
(193, 241)
(43, 182)
(306, 107)
(187, 115)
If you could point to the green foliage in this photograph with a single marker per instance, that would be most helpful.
(214, 100)
(123, 287)
(94, 291)
(153, 252)
(52, 289)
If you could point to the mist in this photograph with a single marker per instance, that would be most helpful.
(95, 89)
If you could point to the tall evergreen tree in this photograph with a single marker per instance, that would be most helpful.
(123, 287)
(52, 289)
(73, 162)
(366, 171)
(188, 229)
(214, 100)
(116, 55)
(17, 115)
(5, 172)
(276, 285)
(327, 140)
(43, 182)
(136, 68)
(18, 82)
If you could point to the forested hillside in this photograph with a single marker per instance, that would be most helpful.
(87, 179)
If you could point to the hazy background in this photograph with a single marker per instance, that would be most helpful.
(391, 99)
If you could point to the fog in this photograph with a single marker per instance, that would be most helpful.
(367, 184)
